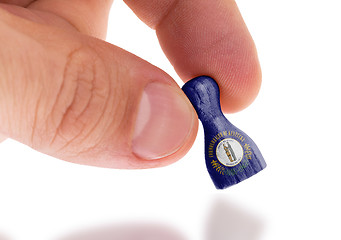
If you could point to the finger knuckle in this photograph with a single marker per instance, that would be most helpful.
(81, 100)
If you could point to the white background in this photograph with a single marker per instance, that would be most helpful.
(295, 121)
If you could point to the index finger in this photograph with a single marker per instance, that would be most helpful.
(206, 38)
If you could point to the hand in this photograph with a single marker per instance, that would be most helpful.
(66, 93)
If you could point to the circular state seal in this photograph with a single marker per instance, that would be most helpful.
(229, 152)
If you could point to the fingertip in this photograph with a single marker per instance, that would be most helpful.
(206, 38)
(183, 150)
(164, 124)
(137, 162)
(240, 86)
(239, 77)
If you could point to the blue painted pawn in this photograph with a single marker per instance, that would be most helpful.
(231, 156)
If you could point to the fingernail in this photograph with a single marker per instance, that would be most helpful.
(165, 120)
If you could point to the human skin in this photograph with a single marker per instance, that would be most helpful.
(66, 92)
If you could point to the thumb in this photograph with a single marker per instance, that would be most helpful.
(80, 99)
